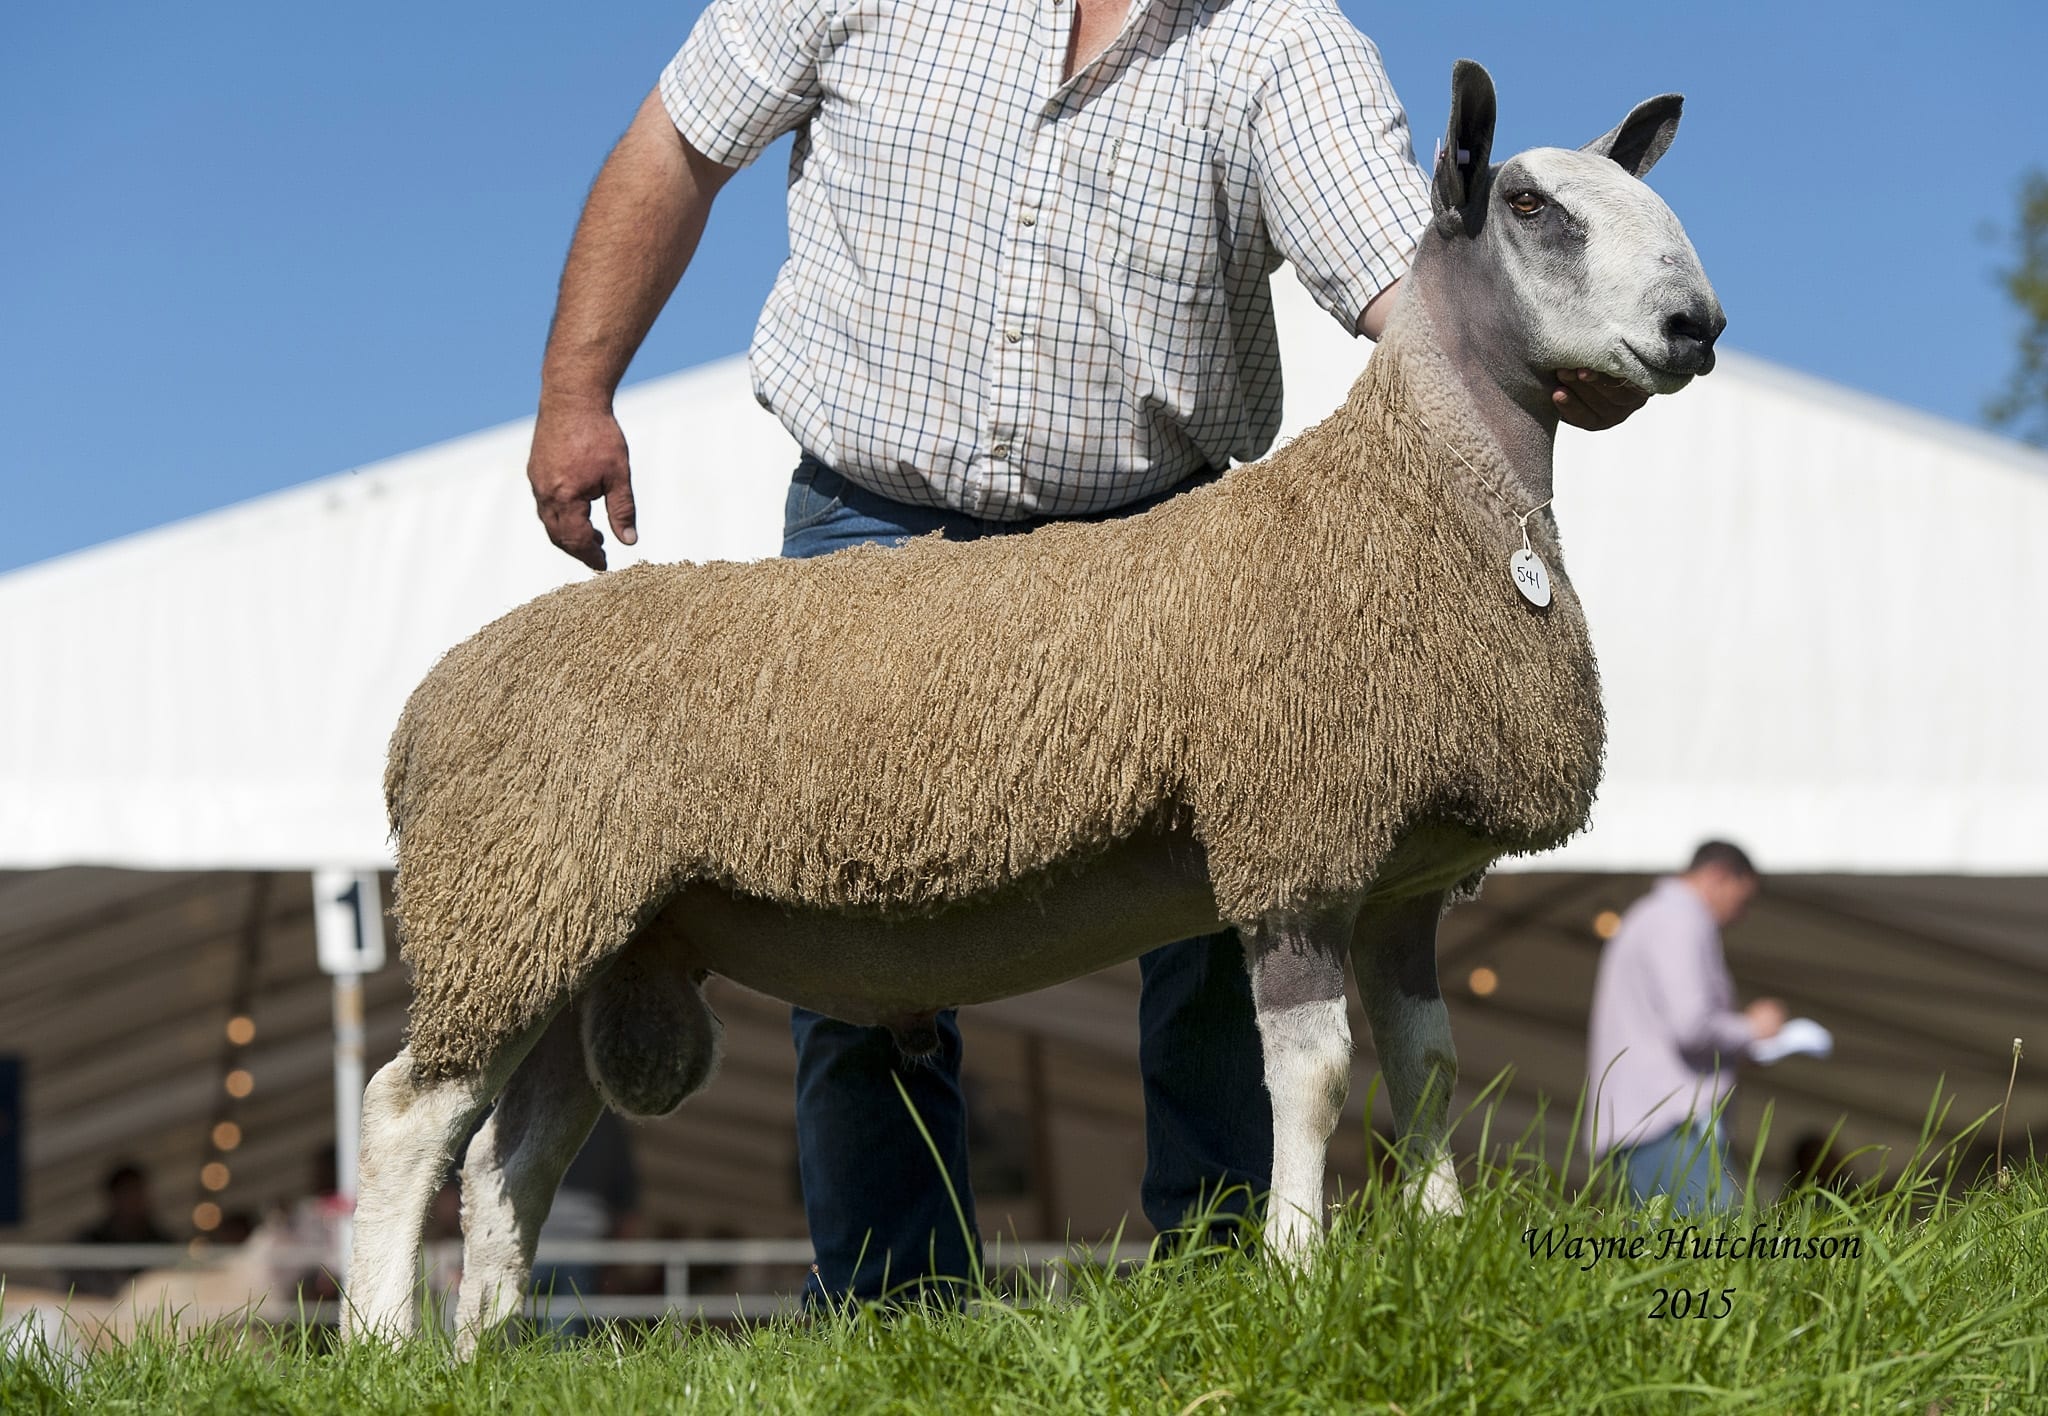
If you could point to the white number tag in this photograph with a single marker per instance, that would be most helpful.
(1530, 577)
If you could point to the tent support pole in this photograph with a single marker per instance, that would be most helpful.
(348, 1110)
(348, 1080)
(348, 931)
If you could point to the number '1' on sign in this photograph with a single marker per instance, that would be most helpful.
(348, 921)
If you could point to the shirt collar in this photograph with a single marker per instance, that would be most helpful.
(1059, 30)
(1676, 887)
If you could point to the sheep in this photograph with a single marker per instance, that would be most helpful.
(1304, 700)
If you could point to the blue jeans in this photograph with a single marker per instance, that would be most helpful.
(1689, 1163)
(879, 1214)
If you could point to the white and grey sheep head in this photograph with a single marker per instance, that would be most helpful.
(1583, 266)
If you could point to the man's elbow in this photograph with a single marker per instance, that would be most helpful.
(1372, 320)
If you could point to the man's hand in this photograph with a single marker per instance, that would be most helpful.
(578, 455)
(638, 231)
(1584, 399)
(1766, 1016)
(1593, 401)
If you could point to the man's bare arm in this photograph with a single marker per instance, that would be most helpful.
(1372, 320)
(1583, 398)
(640, 227)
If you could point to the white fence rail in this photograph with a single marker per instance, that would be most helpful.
(753, 1277)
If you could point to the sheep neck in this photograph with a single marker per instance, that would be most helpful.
(1502, 423)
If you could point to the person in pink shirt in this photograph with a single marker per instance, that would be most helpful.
(1665, 1034)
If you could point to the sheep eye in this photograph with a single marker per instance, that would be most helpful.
(1526, 203)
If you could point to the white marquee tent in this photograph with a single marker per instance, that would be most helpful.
(1819, 618)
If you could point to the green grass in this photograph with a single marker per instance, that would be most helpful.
(1947, 1303)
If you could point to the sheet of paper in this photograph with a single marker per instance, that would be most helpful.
(1800, 1037)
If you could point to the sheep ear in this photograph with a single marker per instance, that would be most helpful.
(1642, 137)
(1458, 192)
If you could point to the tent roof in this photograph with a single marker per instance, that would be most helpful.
(1817, 617)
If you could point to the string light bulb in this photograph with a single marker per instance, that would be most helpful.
(1482, 981)
(1607, 924)
(241, 1030)
(213, 1175)
(226, 1136)
(239, 1083)
(206, 1216)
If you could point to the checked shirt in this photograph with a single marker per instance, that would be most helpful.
(1014, 294)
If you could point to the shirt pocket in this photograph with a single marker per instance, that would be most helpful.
(1163, 196)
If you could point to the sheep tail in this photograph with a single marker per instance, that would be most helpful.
(396, 762)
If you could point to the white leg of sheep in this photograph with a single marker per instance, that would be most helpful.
(410, 1130)
(1297, 967)
(1394, 958)
(511, 1171)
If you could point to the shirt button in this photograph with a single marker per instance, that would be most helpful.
(1013, 335)
(999, 452)
(1030, 217)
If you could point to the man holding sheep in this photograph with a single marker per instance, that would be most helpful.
(1029, 250)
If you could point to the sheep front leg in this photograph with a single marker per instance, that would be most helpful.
(1297, 967)
(1394, 957)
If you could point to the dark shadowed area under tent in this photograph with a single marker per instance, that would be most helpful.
(120, 986)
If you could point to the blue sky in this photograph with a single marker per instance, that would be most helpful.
(245, 246)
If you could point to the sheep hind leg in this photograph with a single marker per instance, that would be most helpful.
(1297, 968)
(641, 1039)
(510, 1173)
(1394, 958)
(410, 1127)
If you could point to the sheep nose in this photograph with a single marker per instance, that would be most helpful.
(1691, 334)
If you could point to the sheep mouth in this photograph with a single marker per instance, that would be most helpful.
(1651, 376)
